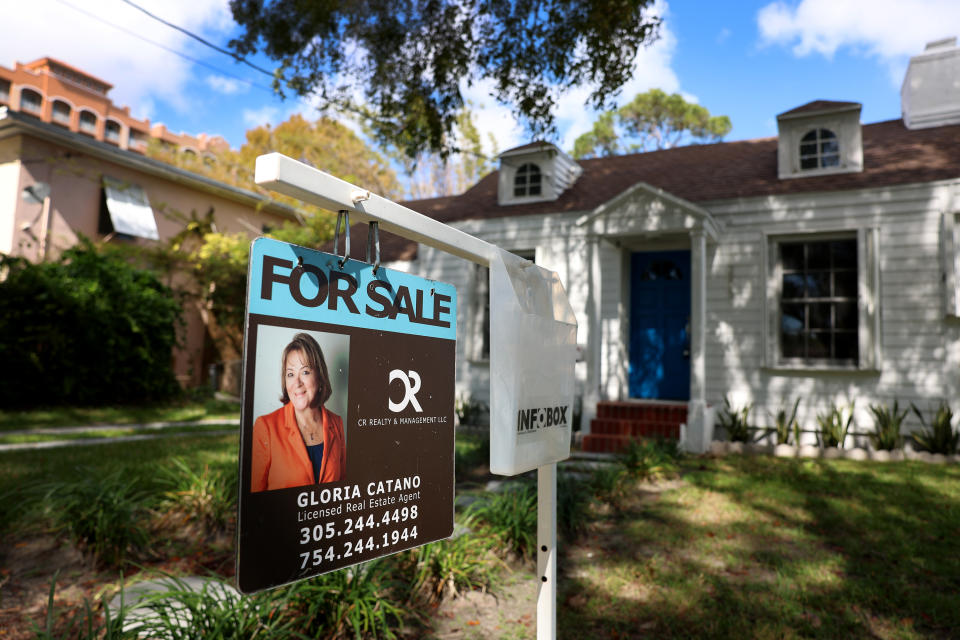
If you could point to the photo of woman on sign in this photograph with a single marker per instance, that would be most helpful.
(302, 442)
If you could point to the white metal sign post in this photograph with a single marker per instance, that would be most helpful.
(533, 346)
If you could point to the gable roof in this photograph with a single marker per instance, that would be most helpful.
(892, 155)
(818, 106)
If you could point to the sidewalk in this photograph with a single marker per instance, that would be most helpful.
(158, 427)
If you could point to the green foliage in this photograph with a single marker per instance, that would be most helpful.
(83, 624)
(213, 611)
(573, 507)
(409, 61)
(450, 567)
(735, 421)
(886, 426)
(833, 428)
(785, 425)
(608, 483)
(87, 329)
(207, 497)
(469, 411)
(650, 459)
(939, 436)
(472, 451)
(512, 517)
(355, 602)
(652, 120)
(104, 513)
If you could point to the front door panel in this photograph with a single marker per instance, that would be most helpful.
(659, 325)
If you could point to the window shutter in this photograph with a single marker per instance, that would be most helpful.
(950, 263)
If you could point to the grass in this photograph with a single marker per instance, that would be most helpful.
(187, 410)
(775, 548)
(81, 433)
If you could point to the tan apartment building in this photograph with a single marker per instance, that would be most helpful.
(59, 181)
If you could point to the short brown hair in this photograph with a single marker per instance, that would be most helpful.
(307, 345)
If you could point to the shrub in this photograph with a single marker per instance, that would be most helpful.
(886, 426)
(785, 425)
(208, 497)
(650, 459)
(735, 421)
(512, 517)
(833, 427)
(355, 602)
(451, 566)
(87, 329)
(104, 514)
(572, 506)
(608, 483)
(939, 436)
(470, 412)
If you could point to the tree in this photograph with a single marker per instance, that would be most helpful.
(652, 120)
(409, 60)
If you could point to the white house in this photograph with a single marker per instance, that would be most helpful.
(823, 264)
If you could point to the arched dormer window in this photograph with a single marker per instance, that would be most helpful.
(60, 113)
(819, 149)
(527, 181)
(30, 101)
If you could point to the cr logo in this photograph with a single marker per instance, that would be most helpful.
(411, 384)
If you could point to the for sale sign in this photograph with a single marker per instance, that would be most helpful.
(346, 449)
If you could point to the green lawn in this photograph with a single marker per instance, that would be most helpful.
(774, 548)
(185, 411)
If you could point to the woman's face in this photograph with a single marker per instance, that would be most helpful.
(301, 380)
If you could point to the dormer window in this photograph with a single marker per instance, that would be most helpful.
(819, 138)
(819, 149)
(527, 181)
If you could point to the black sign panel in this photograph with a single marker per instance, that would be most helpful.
(347, 439)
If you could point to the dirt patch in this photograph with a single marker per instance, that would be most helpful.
(511, 612)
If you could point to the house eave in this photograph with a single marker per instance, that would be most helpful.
(711, 226)
(13, 123)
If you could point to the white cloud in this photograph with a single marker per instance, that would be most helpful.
(264, 115)
(226, 86)
(139, 71)
(889, 30)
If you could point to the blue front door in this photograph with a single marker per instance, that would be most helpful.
(659, 325)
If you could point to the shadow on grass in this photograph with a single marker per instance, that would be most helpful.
(757, 548)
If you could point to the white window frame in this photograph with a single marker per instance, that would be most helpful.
(534, 169)
(868, 300)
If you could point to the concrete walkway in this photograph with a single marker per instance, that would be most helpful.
(157, 427)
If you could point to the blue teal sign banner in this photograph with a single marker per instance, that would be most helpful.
(347, 430)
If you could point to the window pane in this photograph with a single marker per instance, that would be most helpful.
(826, 134)
(809, 137)
(844, 253)
(830, 161)
(818, 255)
(792, 285)
(791, 320)
(534, 190)
(818, 284)
(808, 163)
(830, 147)
(791, 255)
(846, 315)
(820, 315)
(818, 344)
(846, 345)
(808, 149)
(792, 345)
(845, 284)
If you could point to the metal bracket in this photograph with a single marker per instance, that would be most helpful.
(342, 215)
(373, 245)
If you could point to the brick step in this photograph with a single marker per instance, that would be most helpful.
(652, 412)
(634, 428)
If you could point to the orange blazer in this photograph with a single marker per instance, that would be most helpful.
(280, 458)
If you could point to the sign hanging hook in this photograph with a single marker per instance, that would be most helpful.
(342, 215)
(373, 245)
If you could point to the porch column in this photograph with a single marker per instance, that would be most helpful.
(591, 387)
(699, 419)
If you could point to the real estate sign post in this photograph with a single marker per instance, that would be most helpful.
(533, 346)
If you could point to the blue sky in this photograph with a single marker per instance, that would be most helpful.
(747, 60)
